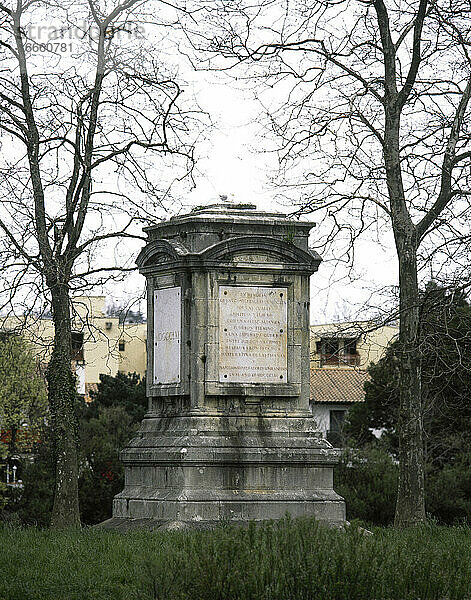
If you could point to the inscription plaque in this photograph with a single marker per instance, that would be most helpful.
(167, 335)
(253, 342)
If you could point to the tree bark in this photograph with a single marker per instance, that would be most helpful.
(62, 395)
(410, 504)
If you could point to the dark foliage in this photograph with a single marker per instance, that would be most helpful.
(106, 425)
(126, 390)
(367, 480)
(35, 505)
(445, 350)
(448, 492)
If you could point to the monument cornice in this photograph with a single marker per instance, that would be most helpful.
(170, 254)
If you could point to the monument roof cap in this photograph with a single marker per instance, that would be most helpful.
(228, 208)
(230, 213)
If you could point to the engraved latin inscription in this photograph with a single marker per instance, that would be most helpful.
(167, 334)
(252, 334)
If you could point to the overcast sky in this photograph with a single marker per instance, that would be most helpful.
(235, 166)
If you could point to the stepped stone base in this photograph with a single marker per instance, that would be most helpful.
(202, 470)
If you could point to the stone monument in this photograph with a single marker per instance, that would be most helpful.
(228, 435)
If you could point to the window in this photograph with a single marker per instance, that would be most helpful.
(350, 346)
(335, 433)
(5, 335)
(329, 351)
(350, 352)
(337, 420)
(331, 346)
(121, 345)
(77, 346)
(336, 351)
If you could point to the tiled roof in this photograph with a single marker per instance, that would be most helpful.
(338, 385)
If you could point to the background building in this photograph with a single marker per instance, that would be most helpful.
(100, 343)
(340, 355)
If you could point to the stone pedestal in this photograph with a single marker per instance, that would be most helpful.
(228, 435)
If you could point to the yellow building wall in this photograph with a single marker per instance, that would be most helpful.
(39, 333)
(101, 337)
(133, 359)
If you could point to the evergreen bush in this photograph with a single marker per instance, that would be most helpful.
(367, 479)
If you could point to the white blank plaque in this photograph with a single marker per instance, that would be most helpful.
(167, 335)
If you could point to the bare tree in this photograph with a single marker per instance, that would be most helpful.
(90, 115)
(372, 116)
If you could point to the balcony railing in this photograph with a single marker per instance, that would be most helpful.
(351, 360)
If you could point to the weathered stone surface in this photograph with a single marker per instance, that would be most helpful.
(234, 468)
(244, 446)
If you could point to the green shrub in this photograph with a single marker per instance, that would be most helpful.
(106, 425)
(285, 560)
(34, 506)
(367, 479)
(448, 492)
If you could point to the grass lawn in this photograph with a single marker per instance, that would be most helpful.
(286, 560)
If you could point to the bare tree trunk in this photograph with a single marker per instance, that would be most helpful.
(61, 382)
(410, 505)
